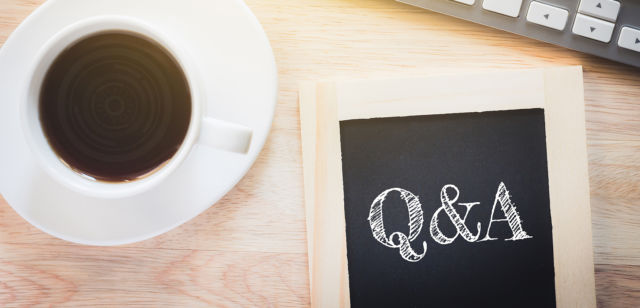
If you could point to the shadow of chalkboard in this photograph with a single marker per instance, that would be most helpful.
(421, 154)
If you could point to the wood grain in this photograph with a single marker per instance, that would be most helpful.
(204, 262)
(90, 276)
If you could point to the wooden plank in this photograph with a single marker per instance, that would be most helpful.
(569, 187)
(618, 285)
(90, 276)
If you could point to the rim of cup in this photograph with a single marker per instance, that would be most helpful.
(34, 135)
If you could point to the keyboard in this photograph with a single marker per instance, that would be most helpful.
(605, 28)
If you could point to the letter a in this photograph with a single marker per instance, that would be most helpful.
(511, 216)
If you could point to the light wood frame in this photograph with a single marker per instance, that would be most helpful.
(559, 91)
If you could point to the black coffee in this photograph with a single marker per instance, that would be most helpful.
(115, 106)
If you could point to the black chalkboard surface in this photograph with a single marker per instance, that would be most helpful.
(484, 176)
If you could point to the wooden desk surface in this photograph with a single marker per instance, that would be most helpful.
(213, 261)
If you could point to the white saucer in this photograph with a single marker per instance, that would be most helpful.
(239, 70)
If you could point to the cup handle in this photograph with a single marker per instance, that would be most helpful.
(225, 136)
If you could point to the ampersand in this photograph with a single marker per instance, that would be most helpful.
(458, 222)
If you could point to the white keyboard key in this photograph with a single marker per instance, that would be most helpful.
(605, 9)
(505, 7)
(593, 28)
(629, 39)
(547, 15)
(468, 2)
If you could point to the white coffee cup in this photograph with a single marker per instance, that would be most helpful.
(202, 129)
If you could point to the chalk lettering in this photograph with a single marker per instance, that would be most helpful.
(511, 216)
(399, 239)
(447, 206)
(448, 197)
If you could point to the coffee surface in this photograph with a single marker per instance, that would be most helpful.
(115, 106)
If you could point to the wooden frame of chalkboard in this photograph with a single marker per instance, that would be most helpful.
(557, 91)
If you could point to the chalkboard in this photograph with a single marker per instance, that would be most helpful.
(484, 177)
(460, 190)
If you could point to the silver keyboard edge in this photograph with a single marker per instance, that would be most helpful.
(630, 11)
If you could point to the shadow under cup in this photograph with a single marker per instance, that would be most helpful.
(115, 106)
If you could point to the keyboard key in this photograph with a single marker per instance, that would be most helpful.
(505, 7)
(593, 28)
(547, 15)
(605, 9)
(468, 2)
(629, 39)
